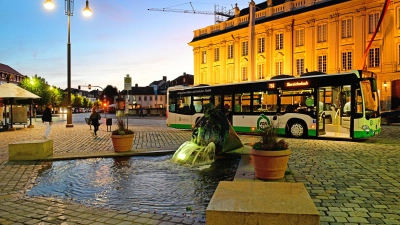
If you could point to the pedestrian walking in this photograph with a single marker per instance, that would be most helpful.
(47, 120)
(94, 119)
(141, 112)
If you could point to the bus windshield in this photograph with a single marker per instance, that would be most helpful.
(370, 98)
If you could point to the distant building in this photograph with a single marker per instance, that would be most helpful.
(149, 97)
(15, 76)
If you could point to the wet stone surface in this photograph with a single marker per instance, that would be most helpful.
(349, 182)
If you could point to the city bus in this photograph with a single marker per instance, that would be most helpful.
(342, 105)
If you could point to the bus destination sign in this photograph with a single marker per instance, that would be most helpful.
(301, 83)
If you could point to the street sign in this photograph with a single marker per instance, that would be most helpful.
(127, 83)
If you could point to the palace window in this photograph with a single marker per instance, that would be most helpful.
(322, 32)
(203, 57)
(245, 48)
(230, 51)
(260, 71)
(299, 66)
(372, 22)
(300, 37)
(347, 28)
(374, 57)
(279, 68)
(244, 73)
(347, 58)
(322, 63)
(261, 45)
(279, 41)
(216, 54)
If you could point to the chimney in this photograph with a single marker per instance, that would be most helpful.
(164, 78)
(184, 73)
(136, 85)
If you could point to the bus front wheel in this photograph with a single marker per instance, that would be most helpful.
(297, 129)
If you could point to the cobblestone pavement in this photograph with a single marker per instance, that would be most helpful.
(350, 182)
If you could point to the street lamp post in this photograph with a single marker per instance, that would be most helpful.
(69, 11)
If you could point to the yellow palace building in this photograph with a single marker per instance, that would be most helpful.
(292, 37)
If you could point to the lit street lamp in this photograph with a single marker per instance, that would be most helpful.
(69, 11)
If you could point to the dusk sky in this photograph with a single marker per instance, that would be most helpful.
(121, 37)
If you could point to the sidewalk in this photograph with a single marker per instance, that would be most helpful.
(349, 182)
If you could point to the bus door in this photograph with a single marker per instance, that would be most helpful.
(332, 120)
(321, 111)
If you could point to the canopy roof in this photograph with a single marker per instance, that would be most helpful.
(10, 90)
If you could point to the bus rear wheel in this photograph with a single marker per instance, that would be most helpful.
(297, 129)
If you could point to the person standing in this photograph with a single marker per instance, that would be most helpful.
(47, 120)
(94, 118)
(141, 112)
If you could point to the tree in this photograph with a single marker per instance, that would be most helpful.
(109, 92)
(39, 87)
(77, 101)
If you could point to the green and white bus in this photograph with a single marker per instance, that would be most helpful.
(343, 105)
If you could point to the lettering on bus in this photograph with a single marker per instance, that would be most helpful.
(296, 83)
(187, 92)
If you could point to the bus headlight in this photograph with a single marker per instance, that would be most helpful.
(365, 128)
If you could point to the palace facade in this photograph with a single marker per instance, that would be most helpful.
(292, 37)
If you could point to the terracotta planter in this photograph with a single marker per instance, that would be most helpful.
(270, 165)
(122, 143)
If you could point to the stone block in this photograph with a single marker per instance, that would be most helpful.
(254, 203)
(30, 150)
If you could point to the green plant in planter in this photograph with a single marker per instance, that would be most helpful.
(121, 130)
(269, 140)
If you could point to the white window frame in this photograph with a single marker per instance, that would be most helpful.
(347, 60)
(203, 57)
(322, 63)
(261, 45)
(244, 73)
(299, 66)
(230, 51)
(374, 57)
(245, 48)
(216, 54)
(347, 28)
(279, 68)
(299, 37)
(260, 71)
(373, 20)
(279, 41)
(322, 32)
